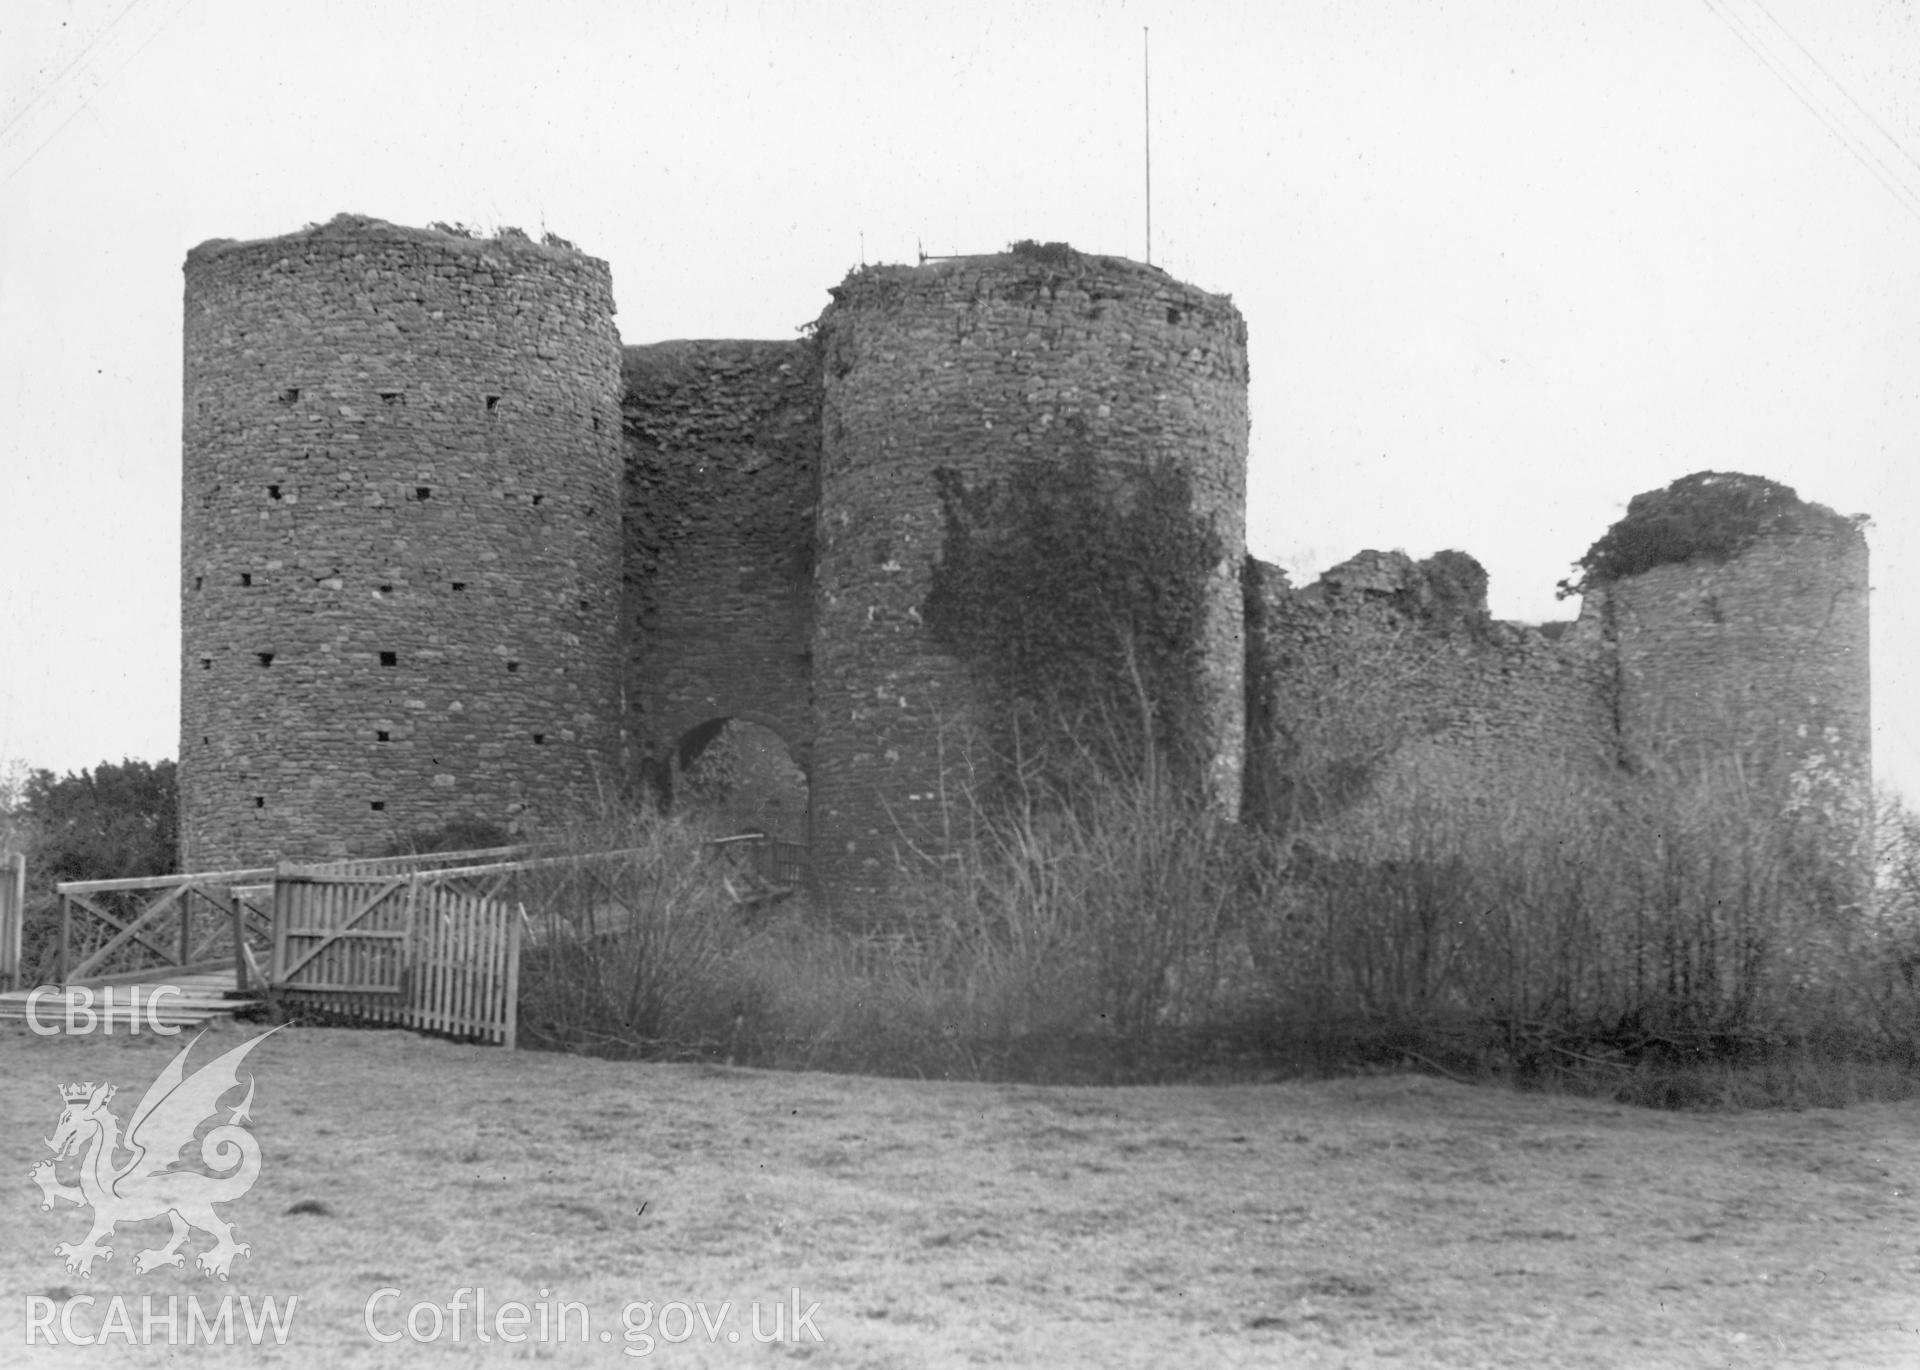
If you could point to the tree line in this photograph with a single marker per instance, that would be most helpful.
(106, 823)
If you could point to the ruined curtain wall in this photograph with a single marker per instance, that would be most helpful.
(1364, 691)
(723, 445)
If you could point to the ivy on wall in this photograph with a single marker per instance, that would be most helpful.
(1707, 516)
(1079, 595)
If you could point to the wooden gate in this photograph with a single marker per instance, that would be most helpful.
(437, 951)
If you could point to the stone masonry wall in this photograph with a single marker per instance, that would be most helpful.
(1368, 684)
(723, 448)
(976, 364)
(400, 549)
(1763, 657)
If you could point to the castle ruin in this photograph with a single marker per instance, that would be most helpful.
(451, 552)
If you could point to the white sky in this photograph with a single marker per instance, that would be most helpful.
(1504, 264)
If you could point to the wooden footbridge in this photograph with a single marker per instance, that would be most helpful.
(429, 941)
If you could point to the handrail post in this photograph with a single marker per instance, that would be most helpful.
(66, 931)
(19, 917)
(239, 940)
(186, 928)
(13, 913)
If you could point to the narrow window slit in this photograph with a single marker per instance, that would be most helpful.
(266, 659)
(389, 658)
(246, 577)
(378, 805)
(291, 395)
(423, 492)
(273, 492)
(382, 735)
(493, 403)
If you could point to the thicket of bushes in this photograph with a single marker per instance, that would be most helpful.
(1674, 943)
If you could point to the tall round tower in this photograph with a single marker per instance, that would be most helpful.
(978, 365)
(400, 538)
(1760, 658)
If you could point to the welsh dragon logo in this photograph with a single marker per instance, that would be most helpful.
(149, 1184)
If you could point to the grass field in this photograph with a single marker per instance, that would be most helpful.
(1390, 1220)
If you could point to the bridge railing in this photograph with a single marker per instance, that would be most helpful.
(205, 920)
(772, 866)
(133, 927)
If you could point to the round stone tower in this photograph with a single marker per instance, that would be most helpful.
(1760, 658)
(977, 365)
(400, 538)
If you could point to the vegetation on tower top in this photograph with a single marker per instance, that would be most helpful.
(1707, 516)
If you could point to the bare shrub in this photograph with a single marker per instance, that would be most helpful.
(1886, 992)
(1088, 901)
(1584, 927)
(631, 937)
(1675, 938)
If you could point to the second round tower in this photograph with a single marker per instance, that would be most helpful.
(971, 368)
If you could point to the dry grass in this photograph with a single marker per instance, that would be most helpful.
(1382, 1220)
